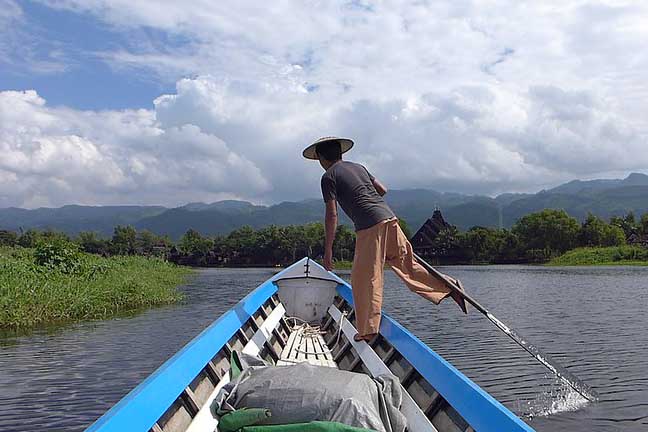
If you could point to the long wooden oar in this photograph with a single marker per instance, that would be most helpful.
(586, 391)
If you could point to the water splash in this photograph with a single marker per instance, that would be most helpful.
(558, 398)
(555, 368)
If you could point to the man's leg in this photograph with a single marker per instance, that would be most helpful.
(400, 256)
(367, 278)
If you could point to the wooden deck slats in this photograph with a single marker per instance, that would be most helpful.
(298, 349)
(306, 348)
(323, 350)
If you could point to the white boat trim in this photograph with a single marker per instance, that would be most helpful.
(254, 346)
(416, 419)
(205, 420)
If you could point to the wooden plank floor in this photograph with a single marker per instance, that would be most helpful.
(309, 348)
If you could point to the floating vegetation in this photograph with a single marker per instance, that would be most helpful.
(55, 282)
(614, 255)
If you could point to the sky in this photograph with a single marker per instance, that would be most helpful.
(166, 102)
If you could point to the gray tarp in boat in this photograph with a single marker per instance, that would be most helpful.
(303, 392)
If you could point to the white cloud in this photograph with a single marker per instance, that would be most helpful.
(483, 96)
(53, 156)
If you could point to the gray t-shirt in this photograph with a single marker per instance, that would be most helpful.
(352, 186)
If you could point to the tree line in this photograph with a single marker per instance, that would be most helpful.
(536, 237)
(272, 245)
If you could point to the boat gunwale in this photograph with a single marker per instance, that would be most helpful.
(481, 410)
(143, 406)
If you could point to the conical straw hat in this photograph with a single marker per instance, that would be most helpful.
(310, 153)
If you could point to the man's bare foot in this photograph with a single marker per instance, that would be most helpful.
(365, 338)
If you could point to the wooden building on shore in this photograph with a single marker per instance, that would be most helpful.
(423, 240)
(636, 239)
(436, 241)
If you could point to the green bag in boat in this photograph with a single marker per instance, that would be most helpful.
(314, 426)
(235, 420)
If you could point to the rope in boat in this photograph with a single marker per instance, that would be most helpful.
(310, 331)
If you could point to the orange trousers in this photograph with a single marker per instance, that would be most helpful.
(383, 243)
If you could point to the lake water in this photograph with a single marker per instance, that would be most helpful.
(592, 320)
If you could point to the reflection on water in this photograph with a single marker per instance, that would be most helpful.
(591, 320)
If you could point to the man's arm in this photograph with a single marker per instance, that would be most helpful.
(380, 188)
(330, 226)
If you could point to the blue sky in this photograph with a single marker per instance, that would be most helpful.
(87, 81)
(165, 102)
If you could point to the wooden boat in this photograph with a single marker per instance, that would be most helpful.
(179, 395)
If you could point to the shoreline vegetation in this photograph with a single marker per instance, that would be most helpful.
(341, 265)
(55, 283)
(603, 256)
(585, 256)
(48, 277)
(537, 238)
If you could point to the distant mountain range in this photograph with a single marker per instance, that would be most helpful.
(603, 198)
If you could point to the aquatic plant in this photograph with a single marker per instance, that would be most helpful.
(53, 283)
(616, 255)
(58, 253)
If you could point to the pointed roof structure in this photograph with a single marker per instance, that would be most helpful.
(425, 235)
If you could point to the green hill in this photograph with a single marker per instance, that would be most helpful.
(76, 218)
(603, 198)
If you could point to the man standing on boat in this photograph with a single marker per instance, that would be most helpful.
(379, 238)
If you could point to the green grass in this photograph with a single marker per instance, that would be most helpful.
(616, 255)
(346, 265)
(93, 288)
(342, 265)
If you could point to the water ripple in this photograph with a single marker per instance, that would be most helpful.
(64, 378)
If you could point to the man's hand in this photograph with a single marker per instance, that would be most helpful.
(328, 260)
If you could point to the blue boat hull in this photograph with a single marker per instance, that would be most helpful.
(176, 397)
